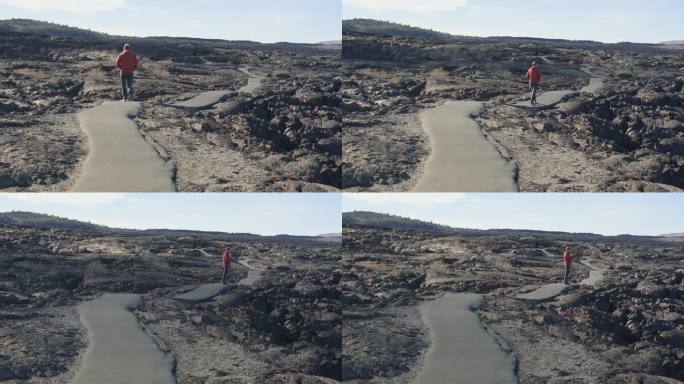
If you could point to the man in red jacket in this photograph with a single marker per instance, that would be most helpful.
(127, 63)
(567, 259)
(534, 77)
(226, 264)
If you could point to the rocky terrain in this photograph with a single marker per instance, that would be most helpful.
(284, 329)
(625, 137)
(628, 329)
(286, 136)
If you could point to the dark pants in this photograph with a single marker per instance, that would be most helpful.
(225, 270)
(534, 87)
(566, 274)
(127, 85)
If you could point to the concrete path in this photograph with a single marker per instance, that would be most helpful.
(253, 82)
(119, 159)
(253, 273)
(204, 100)
(461, 157)
(202, 293)
(207, 291)
(208, 99)
(546, 292)
(551, 98)
(461, 351)
(549, 291)
(119, 351)
(252, 277)
(595, 274)
(595, 82)
(546, 99)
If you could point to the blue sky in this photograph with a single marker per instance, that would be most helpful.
(607, 214)
(302, 21)
(648, 21)
(264, 214)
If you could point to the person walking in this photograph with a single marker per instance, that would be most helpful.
(567, 259)
(534, 78)
(226, 264)
(127, 62)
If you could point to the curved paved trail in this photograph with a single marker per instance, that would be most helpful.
(546, 292)
(549, 291)
(461, 350)
(461, 157)
(204, 100)
(207, 291)
(253, 82)
(201, 293)
(595, 274)
(208, 99)
(253, 276)
(119, 351)
(253, 273)
(119, 158)
(551, 98)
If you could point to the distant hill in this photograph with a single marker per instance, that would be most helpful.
(331, 42)
(386, 28)
(386, 221)
(330, 235)
(673, 42)
(39, 220)
(44, 28)
(34, 27)
(45, 221)
(381, 220)
(390, 29)
(673, 235)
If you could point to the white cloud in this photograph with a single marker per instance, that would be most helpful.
(413, 6)
(71, 6)
(402, 199)
(69, 199)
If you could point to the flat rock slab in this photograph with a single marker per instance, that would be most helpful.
(461, 351)
(119, 158)
(205, 292)
(461, 157)
(119, 351)
(546, 292)
(204, 100)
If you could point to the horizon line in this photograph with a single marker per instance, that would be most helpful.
(512, 229)
(510, 36)
(157, 229)
(170, 36)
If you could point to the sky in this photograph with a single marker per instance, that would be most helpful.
(267, 21)
(606, 214)
(610, 21)
(257, 213)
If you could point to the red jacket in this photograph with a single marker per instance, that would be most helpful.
(127, 62)
(567, 257)
(226, 258)
(533, 75)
